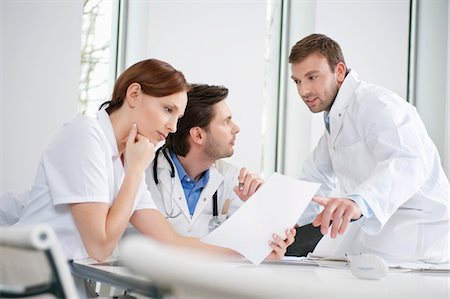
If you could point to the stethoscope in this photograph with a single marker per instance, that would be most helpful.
(213, 223)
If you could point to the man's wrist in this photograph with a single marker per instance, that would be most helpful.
(366, 211)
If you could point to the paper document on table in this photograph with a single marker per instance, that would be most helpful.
(420, 266)
(275, 207)
(330, 252)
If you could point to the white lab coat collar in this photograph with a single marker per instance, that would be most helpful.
(205, 199)
(215, 180)
(119, 172)
(163, 169)
(340, 104)
(163, 163)
(106, 125)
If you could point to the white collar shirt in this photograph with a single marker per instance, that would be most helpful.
(82, 164)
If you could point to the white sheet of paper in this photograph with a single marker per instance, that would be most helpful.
(275, 207)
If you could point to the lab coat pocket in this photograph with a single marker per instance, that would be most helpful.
(223, 217)
(353, 162)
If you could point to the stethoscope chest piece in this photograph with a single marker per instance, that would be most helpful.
(213, 223)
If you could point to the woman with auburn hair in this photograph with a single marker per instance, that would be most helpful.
(90, 181)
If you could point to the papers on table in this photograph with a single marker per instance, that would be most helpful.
(331, 253)
(275, 207)
(344, 263)
(417, 266)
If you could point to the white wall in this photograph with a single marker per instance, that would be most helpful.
(2, 114)
(447, 117)
(432, 80)
(224, 42)
(220, 42)
(302, 128)
(373, 36)
(40, 67)
(213, 42)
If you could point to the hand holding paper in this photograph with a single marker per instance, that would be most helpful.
(275, 207)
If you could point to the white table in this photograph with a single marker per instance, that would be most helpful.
(115, 274)
(310, 281)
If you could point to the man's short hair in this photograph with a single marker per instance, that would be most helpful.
(199, 113)
(317, 43)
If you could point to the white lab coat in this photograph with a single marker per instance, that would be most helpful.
(223, 177)
(378, 148)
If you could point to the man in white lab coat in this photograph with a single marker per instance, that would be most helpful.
(376, 149)
(189, 182)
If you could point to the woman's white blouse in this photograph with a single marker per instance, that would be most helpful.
(82, 164)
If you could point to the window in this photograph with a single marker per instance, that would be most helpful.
(98, 53)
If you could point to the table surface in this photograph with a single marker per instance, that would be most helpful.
(323, 282)
(115, 274)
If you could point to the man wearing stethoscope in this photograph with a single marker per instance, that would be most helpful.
(191, 186)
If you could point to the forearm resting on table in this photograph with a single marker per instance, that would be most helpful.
(151, 223)
(101, 226)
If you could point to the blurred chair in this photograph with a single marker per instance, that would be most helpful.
(185, 274)
(11, 206)
(32, 263)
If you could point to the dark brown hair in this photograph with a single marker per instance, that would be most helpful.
(157, 78)
(317, 43)
(199, 113)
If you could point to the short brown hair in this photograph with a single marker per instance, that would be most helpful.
(199, 113)
(317, 43)
(157, 78)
